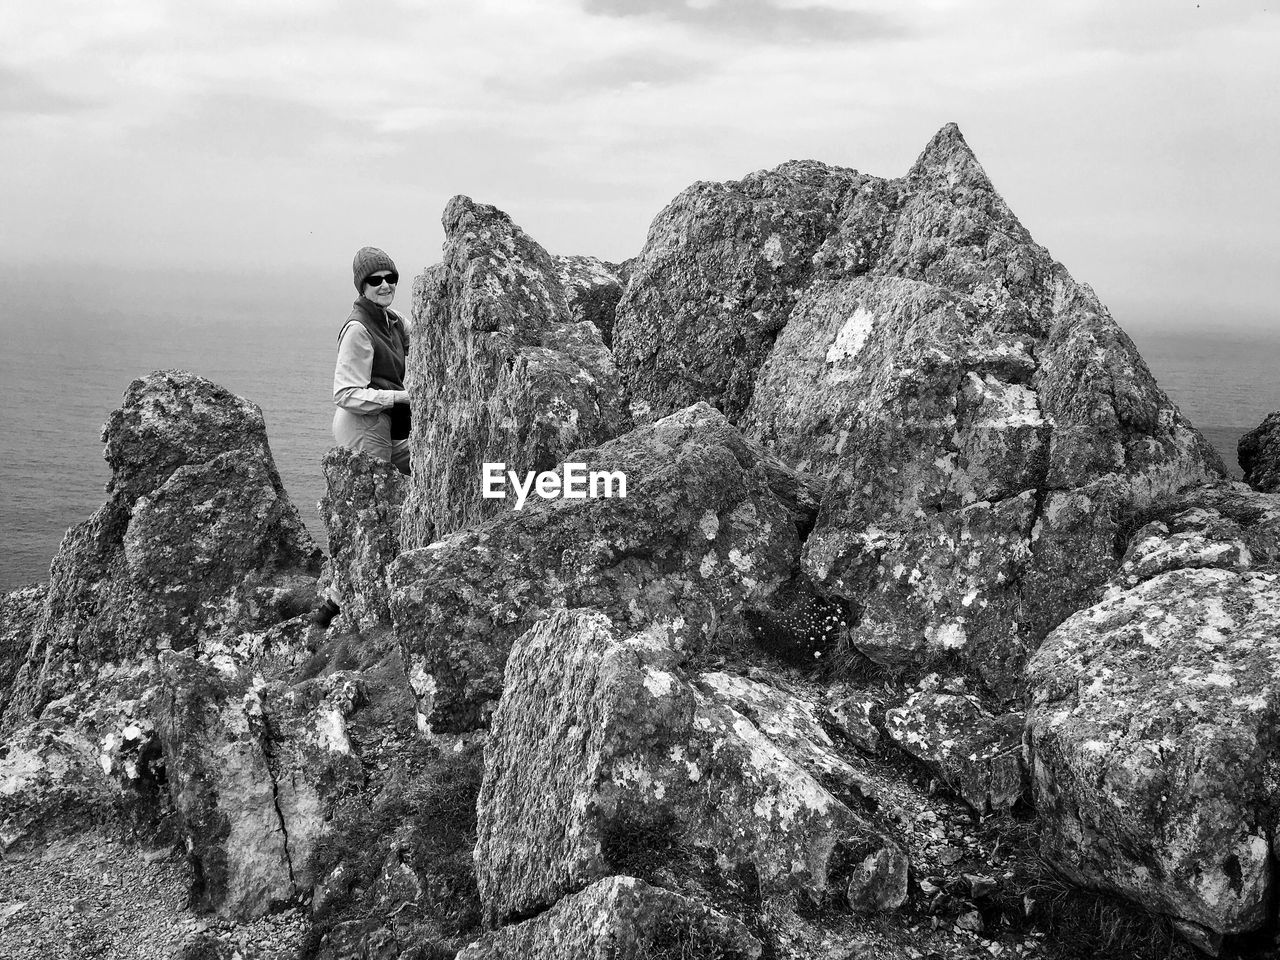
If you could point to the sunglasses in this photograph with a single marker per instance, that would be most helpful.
(391, 278)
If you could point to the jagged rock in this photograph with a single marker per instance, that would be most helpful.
(974, 752)
(361, 510)
(602, 761)
(708, 529)
(1259, 455)
(620, 918)
(985, 424)
(49, 781)
(1226, 526)
(198, 540)
(252, 768)
(853, 716)
(795, 725)
(720, 271)
(592, 289)
(20, 612)
(1154, 758)
(500, 370)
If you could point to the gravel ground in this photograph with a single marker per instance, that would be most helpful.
(97, 894)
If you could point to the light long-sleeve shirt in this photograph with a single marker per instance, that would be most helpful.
(351, 374)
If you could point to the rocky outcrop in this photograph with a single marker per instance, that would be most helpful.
(1259, 455)
(620, 918)
(985, 424)
(721, 270)
(502, 368)
(361, 511)
(20, 613)
(975, 753)
(1152, 737)
(603, 760)
(49, 783)
(253, 769)
(709, 527)
(198, 540)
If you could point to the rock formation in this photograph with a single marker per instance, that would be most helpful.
(1259, 454)
(197, 540)
(506, 366)
(919, 583)
(710, 526)
(361, 510)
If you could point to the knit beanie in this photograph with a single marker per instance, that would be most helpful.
(370, 260)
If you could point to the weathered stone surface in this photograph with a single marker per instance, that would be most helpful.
(709, 527)
(198, 539)
(361, 511)
(20, 613)
(985, 424)
(720, 271)
(1152, 737)
(620, 918)
(854, 717)
(252, 769)
(602, 760)
(500, 370)
(592, 289)
(1259, 455)
(976, 753)
(795, 725)
(49, 780)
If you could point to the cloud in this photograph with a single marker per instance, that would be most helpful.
(25, 95)
(760, 20)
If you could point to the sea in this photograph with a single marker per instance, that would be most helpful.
(71, 346)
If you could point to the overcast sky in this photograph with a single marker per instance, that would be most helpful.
(1137, 140)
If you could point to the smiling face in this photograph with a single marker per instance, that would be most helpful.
(380, 287)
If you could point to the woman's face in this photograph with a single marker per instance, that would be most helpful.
(380, 287)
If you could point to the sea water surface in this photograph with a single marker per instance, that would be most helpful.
(67, 359)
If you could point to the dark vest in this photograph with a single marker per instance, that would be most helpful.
(390, 346)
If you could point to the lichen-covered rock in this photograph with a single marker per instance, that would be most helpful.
(709, 527)
(719, 273)
(602, 760)
(974, 752)
(50, 781)
(198, 539)
(1259, 455)
(361, 510)
(1152, 737)
(620, 918)
(986, 427)
(252, 768)
(592, 289)
(796, 726)
(501, 370)
(20, 613)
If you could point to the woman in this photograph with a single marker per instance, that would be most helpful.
(368, 379)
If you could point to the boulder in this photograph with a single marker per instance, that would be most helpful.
(709, 528)
(721, 270)
(620, 918)
(1152, 741)
(20, 613)
(50, 783)
(501, 369)
(602, 760)
(361, 510)
(1259, 455)
(976, 753)
(198, 540)
(985, 426)
(252, 770)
